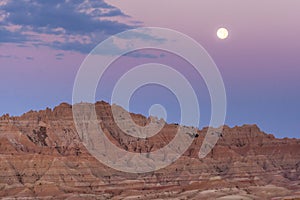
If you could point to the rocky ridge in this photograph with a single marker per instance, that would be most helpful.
(42, 156)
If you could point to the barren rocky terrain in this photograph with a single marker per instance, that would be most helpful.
(42, 157)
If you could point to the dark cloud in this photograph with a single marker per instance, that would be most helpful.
(9, 56)
(29, 58)
(143, 55)
(59, 56)
(114, 12)
(78, 18)
(11, 37)
(59, 15)
(73, 46)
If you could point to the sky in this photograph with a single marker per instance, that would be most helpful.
(43, 43)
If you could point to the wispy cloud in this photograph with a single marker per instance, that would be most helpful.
(8, 56)
(146, 55)
(29, 58)
(59, 56)
(76, 25)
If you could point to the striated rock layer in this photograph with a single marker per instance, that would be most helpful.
(42, 156)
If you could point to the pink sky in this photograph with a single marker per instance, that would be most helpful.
(260, 60)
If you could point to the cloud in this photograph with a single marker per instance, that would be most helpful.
(59, 56)
(7, 36)
(29, 58)
(146, 55)
(64, 19)
(128, 41)
(9, 56)
(143, 55)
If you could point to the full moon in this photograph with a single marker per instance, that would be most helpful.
(222, 33)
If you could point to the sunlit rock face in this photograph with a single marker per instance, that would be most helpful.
(42, 155)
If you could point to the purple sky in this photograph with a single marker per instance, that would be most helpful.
(42, 44)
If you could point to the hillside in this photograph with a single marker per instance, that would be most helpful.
(41, 155)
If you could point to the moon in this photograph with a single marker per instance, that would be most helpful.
(222, 33)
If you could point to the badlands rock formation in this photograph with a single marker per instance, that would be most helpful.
(42, 156)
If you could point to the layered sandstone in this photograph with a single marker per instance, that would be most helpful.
(43, 156)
